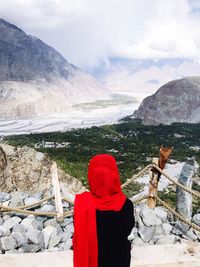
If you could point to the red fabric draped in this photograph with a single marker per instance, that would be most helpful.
(105, 194)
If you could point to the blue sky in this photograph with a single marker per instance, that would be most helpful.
(90, 32)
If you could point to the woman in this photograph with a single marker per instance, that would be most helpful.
(103, 218)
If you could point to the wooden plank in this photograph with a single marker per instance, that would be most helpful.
(178, 255)
(58, 197)
(153, 186)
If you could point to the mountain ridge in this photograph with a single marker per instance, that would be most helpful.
(176, 101)
(36, 80)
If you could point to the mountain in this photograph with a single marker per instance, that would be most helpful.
(35, 79)
(176, 101)
(143, 77)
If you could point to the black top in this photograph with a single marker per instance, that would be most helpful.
(113, 228)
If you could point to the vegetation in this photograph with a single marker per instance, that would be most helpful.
(130, 142)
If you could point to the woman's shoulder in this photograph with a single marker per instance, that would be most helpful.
(128, 204)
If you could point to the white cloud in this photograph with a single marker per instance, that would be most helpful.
(88, 32)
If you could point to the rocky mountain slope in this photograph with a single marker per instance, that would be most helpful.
(35, 79)
(25, 169)
(176, 101)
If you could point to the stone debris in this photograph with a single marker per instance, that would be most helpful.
(21, 233)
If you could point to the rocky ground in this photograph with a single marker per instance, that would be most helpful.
(30, 233)
(25, 178)
(25, 169)
(20, 233)
(158, 226)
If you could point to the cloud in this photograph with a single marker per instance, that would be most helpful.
(89, 32)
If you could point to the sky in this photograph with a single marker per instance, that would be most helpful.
(90, 32)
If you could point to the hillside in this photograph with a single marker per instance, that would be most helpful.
(25, 169)
(35, 79)
(176, 101)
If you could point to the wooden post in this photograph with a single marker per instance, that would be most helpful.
(58, 197)
(153, 186)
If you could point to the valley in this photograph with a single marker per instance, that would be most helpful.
(132, 143)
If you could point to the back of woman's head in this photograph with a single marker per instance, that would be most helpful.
(103, 176)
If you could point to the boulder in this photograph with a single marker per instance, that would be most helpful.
(11, 251)
(4, 231)
(138, 241)
(66, 236)
(196, 219)
(4, 196)
(54, 239)
(17, 198)
(29, 248)
(30, 222)
(35, 236)
(8, 243)
(146, 232)
(167, 239)
(161, 213)
(148, 216)
(11, 222)
(52, 222)
(19, 228)
(70, 228)
(65, 245)
(20, 238)
(167, 228)
(47, 232)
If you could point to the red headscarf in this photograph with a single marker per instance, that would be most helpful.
(105, 194)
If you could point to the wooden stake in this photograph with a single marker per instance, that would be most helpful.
(153, 186)
(58, 197)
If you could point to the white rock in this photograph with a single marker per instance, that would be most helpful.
(52, 222)
(131, 237)
(148, 216)
(146, 233)
(138, 241)
(35, 236)
(46, 208)
(161, 213)
(11, 251)
(8, 243)
(17, 198)
(168, 239)
(196, 219)
(30, 200)
(19, 228)
(167, 228)
(47, 232)
(70, 228)
(20, 239)
(40, 156)
(4, 231)
(191, 235)
(30, 222)
(1, 221)
(11, 222)
(4, 196)
(54, 239)
(65, 245)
